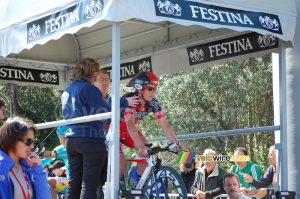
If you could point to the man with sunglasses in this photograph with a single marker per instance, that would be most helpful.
(145, 84)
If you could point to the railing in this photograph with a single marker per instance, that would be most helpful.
(108, 115)
(191, 196)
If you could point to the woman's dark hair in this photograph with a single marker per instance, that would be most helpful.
(13, 130)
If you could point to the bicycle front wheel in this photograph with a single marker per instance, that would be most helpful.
(169, 185)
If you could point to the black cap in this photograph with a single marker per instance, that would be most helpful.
(58, 164)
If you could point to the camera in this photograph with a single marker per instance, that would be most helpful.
(188, 165)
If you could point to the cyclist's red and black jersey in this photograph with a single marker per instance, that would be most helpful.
(139, 113)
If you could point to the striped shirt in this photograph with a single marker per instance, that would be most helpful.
(251, 169)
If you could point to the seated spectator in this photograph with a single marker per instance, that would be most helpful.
(269, 178)
(48, 170)
(245, 167)
(232, 186)
(208, 180)
(59, 183)
(60, 151)
(187, 173)
(22, 175)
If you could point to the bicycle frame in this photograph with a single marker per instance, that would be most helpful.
(150, 165)
(154, 177)
(150, 162)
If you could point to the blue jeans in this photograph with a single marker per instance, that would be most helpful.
(87, 159)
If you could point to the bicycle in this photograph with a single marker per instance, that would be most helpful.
(170, 182)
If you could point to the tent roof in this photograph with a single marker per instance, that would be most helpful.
(144, 30)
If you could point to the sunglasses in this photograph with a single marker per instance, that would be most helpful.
(150, 89)
(28, 141)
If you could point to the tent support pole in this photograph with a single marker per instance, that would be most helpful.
(114, 142)
(281, 146)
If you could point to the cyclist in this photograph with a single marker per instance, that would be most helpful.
(145, 84)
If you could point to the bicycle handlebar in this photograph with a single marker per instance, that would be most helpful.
(165, 147)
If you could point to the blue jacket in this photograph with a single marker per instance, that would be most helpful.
(36, 176)
(81, 98)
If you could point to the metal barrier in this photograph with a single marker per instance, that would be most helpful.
(108, 115)
(191, 196)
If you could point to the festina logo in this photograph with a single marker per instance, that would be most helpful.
(221, 16)
(125, 71)
(61, 21)
(16, 74)
(129, 69)
(11, 73)
(230, 47)
(193, 10)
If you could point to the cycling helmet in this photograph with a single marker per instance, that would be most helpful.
(61, 130)
(141, 79)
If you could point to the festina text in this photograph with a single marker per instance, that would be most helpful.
(218, 15)
(16, 74)
(61, 21)
(230, 47)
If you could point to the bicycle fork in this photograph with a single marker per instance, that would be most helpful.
(153, 172)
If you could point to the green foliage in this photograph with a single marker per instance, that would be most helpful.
(232, 96)
(39, 105)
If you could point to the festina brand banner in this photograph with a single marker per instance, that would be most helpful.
(29, 75)
(231, 47)
(65, 19)
(194, 11)
(130, 69)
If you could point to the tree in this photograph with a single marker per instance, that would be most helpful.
(40, 105)
(232, 96)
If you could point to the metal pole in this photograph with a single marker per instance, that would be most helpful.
(218, 133)
(293, 110)
(115, 125)
(282, 163)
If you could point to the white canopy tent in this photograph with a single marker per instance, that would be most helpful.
(53, 35)
(65, 36)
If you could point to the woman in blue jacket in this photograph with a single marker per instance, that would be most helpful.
(85, 142)
(21, 172)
